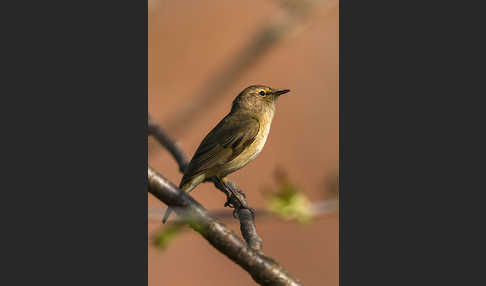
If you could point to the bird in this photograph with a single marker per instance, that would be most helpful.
(235, 141)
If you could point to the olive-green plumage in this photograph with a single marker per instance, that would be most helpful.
(236, 140)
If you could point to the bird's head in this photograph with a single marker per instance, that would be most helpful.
(257, 98)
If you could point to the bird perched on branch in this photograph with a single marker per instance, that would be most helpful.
(235, 141)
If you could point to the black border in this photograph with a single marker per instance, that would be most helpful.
(77, 180)
(409, 142)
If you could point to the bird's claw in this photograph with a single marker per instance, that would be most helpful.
(228, 204)
(239, 192)
(236, 200)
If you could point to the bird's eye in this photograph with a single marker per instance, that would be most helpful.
(262, 93)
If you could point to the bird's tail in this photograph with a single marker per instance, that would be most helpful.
(186, 188)
(169, 210)
(166, 215)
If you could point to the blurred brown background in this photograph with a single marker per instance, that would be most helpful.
(192, 41)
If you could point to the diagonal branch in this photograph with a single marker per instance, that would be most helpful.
(262, 269)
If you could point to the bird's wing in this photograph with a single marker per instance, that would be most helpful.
(224, 143)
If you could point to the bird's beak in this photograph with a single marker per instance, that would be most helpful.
(280, 92)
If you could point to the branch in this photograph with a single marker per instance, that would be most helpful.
(262, 269)
(247, 220)
(174, 149)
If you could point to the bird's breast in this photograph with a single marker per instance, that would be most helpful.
(256, 147)
(252, 151)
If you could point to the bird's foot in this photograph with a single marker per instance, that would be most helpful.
(240, 192)
(236, 200)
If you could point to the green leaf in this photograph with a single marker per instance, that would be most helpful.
(164, 237)
(288, 201)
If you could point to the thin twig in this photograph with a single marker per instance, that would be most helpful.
(174, 149)
(262, 269)
(318, 208)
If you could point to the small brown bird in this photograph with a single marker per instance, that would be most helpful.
(235, 141)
